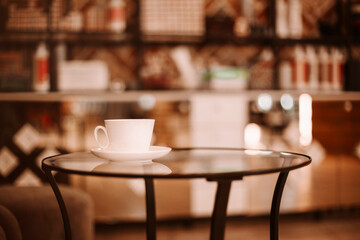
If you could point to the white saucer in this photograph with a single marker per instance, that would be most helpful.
(153, 153)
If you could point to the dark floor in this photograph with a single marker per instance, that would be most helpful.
(343, 225)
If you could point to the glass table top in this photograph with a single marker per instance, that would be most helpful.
(183, 163)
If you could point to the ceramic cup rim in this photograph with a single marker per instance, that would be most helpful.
(128, 120)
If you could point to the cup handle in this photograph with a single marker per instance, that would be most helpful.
(96, 130)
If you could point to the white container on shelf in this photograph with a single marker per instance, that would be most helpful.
(282, 28)
(285, 75)
(324, 62)
(41, 78)
(313, 68)
(83, 75)
(295, 18)
(183, 60)
(229, 78)
(299, 68)
(337, 59)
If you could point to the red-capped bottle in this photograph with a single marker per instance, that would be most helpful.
(41, 81)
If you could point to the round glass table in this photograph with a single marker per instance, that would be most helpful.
(222, 165)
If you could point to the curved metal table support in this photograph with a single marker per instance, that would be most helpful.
(275, 206)
(60, 201)
(218, 219)
(150, 206)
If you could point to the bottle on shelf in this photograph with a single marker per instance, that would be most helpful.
(247, 7)
(285, 75)
(295, 18)
(324, 62)
(312, 68)
(116, 16)
(299, 76)
(337, 59)
(41, 78)
(60, 52)
(282, 28)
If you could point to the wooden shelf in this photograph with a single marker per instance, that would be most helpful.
(169, 95)
(23, 37)
(92, 37)
(103, 37)
(322, 40)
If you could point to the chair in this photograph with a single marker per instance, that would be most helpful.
(29, 213)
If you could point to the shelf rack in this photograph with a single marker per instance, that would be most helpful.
(134, 37)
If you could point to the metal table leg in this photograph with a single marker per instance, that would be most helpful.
(150, 209)
(60, 201)
(218, 218)
(275, 206)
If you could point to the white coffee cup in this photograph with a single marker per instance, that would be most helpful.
(126, 135)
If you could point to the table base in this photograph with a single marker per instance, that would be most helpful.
(218, 219)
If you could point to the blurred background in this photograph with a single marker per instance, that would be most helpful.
(279, 74)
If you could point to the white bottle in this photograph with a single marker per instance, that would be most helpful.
(116, 16)
(299, 68)
(247, 7)
(282, 28)
(324, 62)
(285, 75)
(313, 68)
(41, 81)
(336, 69)
(60, 52)
(295, 18)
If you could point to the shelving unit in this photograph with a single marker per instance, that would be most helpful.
(139, 42)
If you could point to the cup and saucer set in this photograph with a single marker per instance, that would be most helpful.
(127, 140)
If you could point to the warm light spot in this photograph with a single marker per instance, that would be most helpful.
(287, 102)
(305, 119)
(348, 106)
(264, 102)
(147, 101)
(252, 135)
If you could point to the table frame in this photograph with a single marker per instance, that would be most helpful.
(218, 218)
